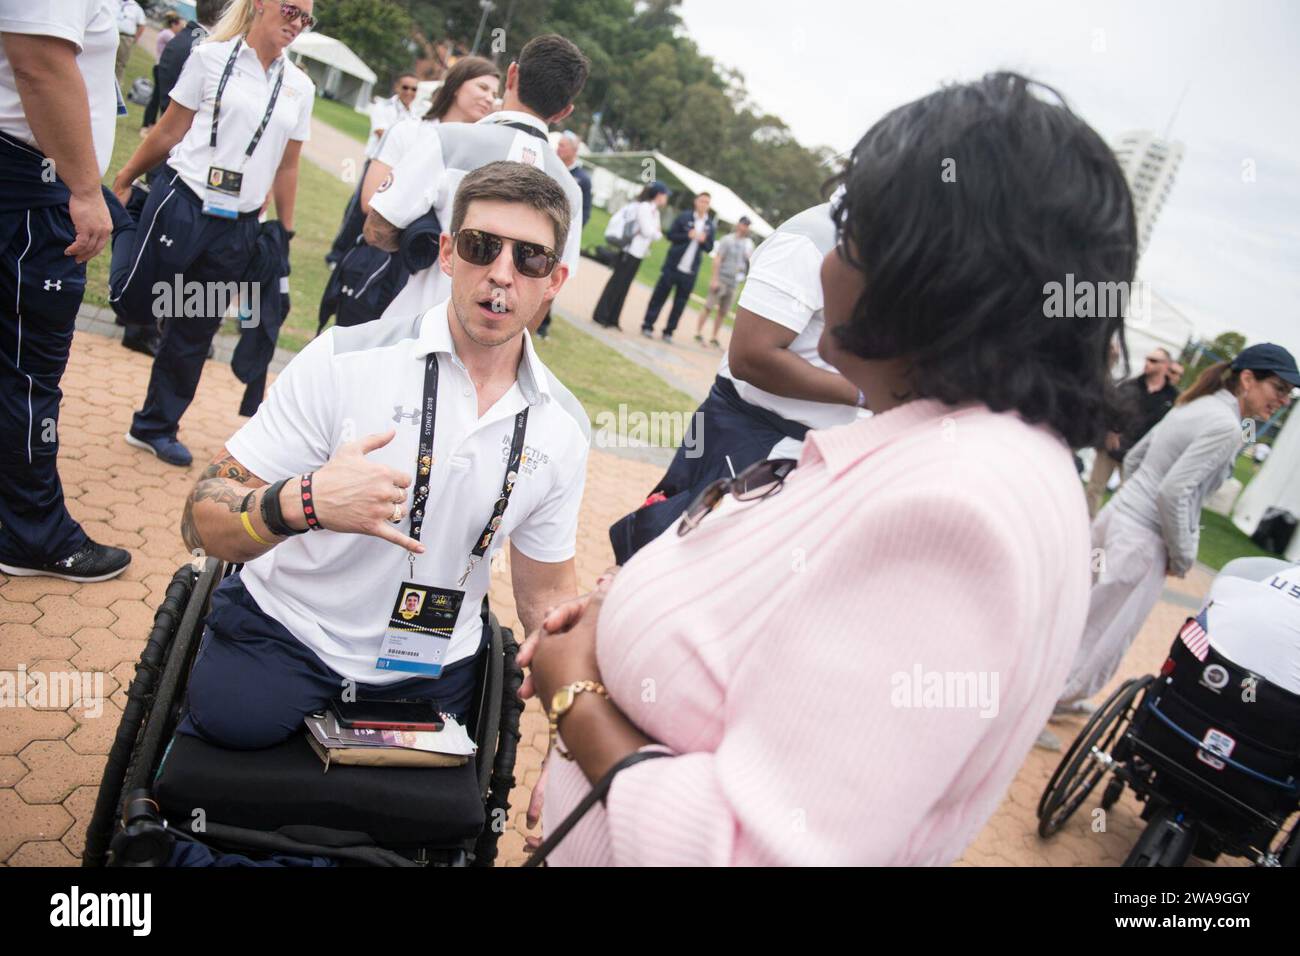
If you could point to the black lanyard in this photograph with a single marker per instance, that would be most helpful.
(424, 465)
(221, 88)
(533, 130)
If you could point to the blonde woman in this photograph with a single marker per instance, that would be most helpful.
(1151, 527)
(232, 136)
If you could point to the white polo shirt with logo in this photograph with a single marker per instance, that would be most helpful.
(90, 26)
(334, 591)
(243, 104)
(785, 287)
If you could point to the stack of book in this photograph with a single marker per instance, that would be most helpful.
(449, 747)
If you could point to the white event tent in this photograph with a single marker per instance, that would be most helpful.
(334, 68)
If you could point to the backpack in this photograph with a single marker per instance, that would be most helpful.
(141, 91)
(622, 226)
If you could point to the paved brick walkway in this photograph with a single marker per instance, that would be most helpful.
(50, 760)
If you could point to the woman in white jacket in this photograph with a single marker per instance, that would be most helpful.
(646, 209)
(1151, 527)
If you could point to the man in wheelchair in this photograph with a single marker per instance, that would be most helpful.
(365, 496)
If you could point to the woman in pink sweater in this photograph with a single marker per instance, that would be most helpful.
(851, 669)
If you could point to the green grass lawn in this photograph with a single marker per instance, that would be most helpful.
(600, 377)
(343, 118)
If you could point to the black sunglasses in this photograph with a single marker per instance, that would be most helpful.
(482, 248)
(760, 480)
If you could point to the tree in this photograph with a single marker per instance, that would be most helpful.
(378, 31)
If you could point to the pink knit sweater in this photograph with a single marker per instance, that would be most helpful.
(851, 671)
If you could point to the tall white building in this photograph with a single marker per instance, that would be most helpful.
(1150, 164)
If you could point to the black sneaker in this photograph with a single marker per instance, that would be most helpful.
(94, 562)
(141, 339)
(668, 337)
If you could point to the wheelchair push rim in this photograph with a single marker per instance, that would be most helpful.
(1089, 758)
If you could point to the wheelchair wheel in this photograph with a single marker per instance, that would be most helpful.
(499, 742)
(1167, 841)
(1082, 767)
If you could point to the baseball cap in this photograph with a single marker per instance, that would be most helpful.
(1267, 357)
(743, 221)
(657, 187)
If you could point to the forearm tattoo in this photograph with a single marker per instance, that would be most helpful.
(223, 482)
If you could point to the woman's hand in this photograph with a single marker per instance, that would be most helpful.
(560, 620)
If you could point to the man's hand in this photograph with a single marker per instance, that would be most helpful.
(713, 286)
(93, 224)
(560, 620)
(359, 496)
(1112, 441)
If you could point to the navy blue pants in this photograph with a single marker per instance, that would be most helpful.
(40, 292)
(354, 220)
(177, 245)
(253, 682)
(724, 427)
(681, 285)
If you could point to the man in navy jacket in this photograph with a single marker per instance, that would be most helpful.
(692, 237)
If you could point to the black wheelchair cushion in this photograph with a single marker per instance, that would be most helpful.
(287, 786)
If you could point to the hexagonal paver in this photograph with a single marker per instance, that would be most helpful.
(81, 805)
(43, 853)
(19, 612)
(94, 734)
(24, 823)
(102, 650)
(61, 616)
(104, 593)
(23, 644)
(19, 726)
(56, 770)
(11, 771)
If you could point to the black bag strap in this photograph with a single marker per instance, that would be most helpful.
(598, 792)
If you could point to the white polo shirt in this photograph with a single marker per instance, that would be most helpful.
(242, 107)
(384, 115)
(428, 175)
(130, 17)
(334, 591)
(90, 26)
(785, 287)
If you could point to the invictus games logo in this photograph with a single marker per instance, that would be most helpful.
(531, 459)
(208, 300)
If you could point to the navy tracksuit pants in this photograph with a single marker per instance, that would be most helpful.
(40, 292)
(681, 284)
(179, 247)
(253, 682)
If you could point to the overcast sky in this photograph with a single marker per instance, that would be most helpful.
(1224, 252)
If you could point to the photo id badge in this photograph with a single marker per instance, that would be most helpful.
(419, 629)
(221, 197)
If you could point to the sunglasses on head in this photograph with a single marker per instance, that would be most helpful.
(481, 248)
(760, 480)
(291, 13)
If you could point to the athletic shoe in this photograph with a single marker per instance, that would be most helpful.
(648, 333)
(715, 343)
(168, 449)
(141, 339)
(94, 562)
(1048, 741)
(1078, 708)
(699, 338)
(668, 337)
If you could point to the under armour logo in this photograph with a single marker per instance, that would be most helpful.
(165, 241)
(398, 414)
(55, 285)
(347, 290)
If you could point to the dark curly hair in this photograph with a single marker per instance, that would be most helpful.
(961, 210)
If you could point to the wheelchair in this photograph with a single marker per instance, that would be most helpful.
(159, 786)
(1211, 751)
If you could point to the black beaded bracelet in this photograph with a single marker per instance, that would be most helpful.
(308, 506)
(273, 515)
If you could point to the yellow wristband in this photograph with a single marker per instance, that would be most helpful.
(248, 526)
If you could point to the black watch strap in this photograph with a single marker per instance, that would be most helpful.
(272, 514)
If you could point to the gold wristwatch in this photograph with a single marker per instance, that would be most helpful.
(562, 700)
